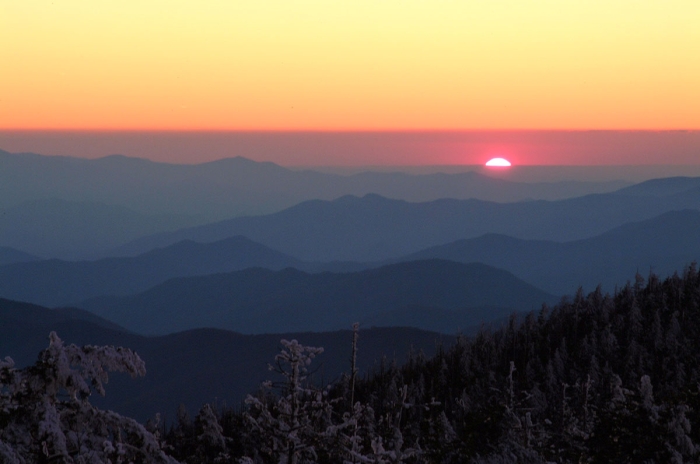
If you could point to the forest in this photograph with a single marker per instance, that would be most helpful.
(596, 378)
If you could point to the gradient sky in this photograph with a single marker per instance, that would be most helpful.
(351, 65)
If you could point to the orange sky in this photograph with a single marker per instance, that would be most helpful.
(360, 65)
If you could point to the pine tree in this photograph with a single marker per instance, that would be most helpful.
(291, 427)
(46, 415)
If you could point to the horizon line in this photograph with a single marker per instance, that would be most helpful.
(502, 169)
(349, 131)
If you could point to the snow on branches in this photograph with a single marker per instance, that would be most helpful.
(45, 413)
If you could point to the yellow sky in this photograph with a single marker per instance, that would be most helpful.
(351, 65)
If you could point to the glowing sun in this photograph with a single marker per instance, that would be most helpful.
(498, 162)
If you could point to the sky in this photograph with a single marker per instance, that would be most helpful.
(329, 66)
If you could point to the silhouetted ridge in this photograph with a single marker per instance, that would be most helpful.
(664, 244)
(27, 313)
(261, 300)
(374, 228)
(662, 187)
(10, 255)
(210, 192)
(56, 283)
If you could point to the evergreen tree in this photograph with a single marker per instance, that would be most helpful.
(46, 415)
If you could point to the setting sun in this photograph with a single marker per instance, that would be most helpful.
(498, 162)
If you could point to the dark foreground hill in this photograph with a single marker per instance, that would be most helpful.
(374, 228)
(596, 379)
(59, 283)
(662, 244)
(261, 300)
(198, 366)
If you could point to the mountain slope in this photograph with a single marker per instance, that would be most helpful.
(11, 255)
(262, 301)
(57, 283)
(662, 187)
(662, 244)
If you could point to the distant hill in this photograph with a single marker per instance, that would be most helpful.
(10, 255)
(237, 186)
(24, 328)
(90, 206)
(27, 313)
(374, 228)
(262, 301)
(57, 283)
(662, 244)
(72, 230)
(197, 366)
(662, 187)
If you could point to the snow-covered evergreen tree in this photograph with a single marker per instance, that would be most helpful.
(46, 415)
(292, 426)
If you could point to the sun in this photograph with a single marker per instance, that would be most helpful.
(498, 163)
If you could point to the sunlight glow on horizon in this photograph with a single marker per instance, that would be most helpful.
(365, 65)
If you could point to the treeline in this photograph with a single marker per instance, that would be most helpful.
(598, 378)
(595, 379)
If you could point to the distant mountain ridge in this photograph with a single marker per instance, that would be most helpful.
(662, 244)
(94, 205)
(28, 313)
(662, 187)
(11, 255)
(374, 228)
(58, 283)
(236, 186)
(71, 208)
(261, 300)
